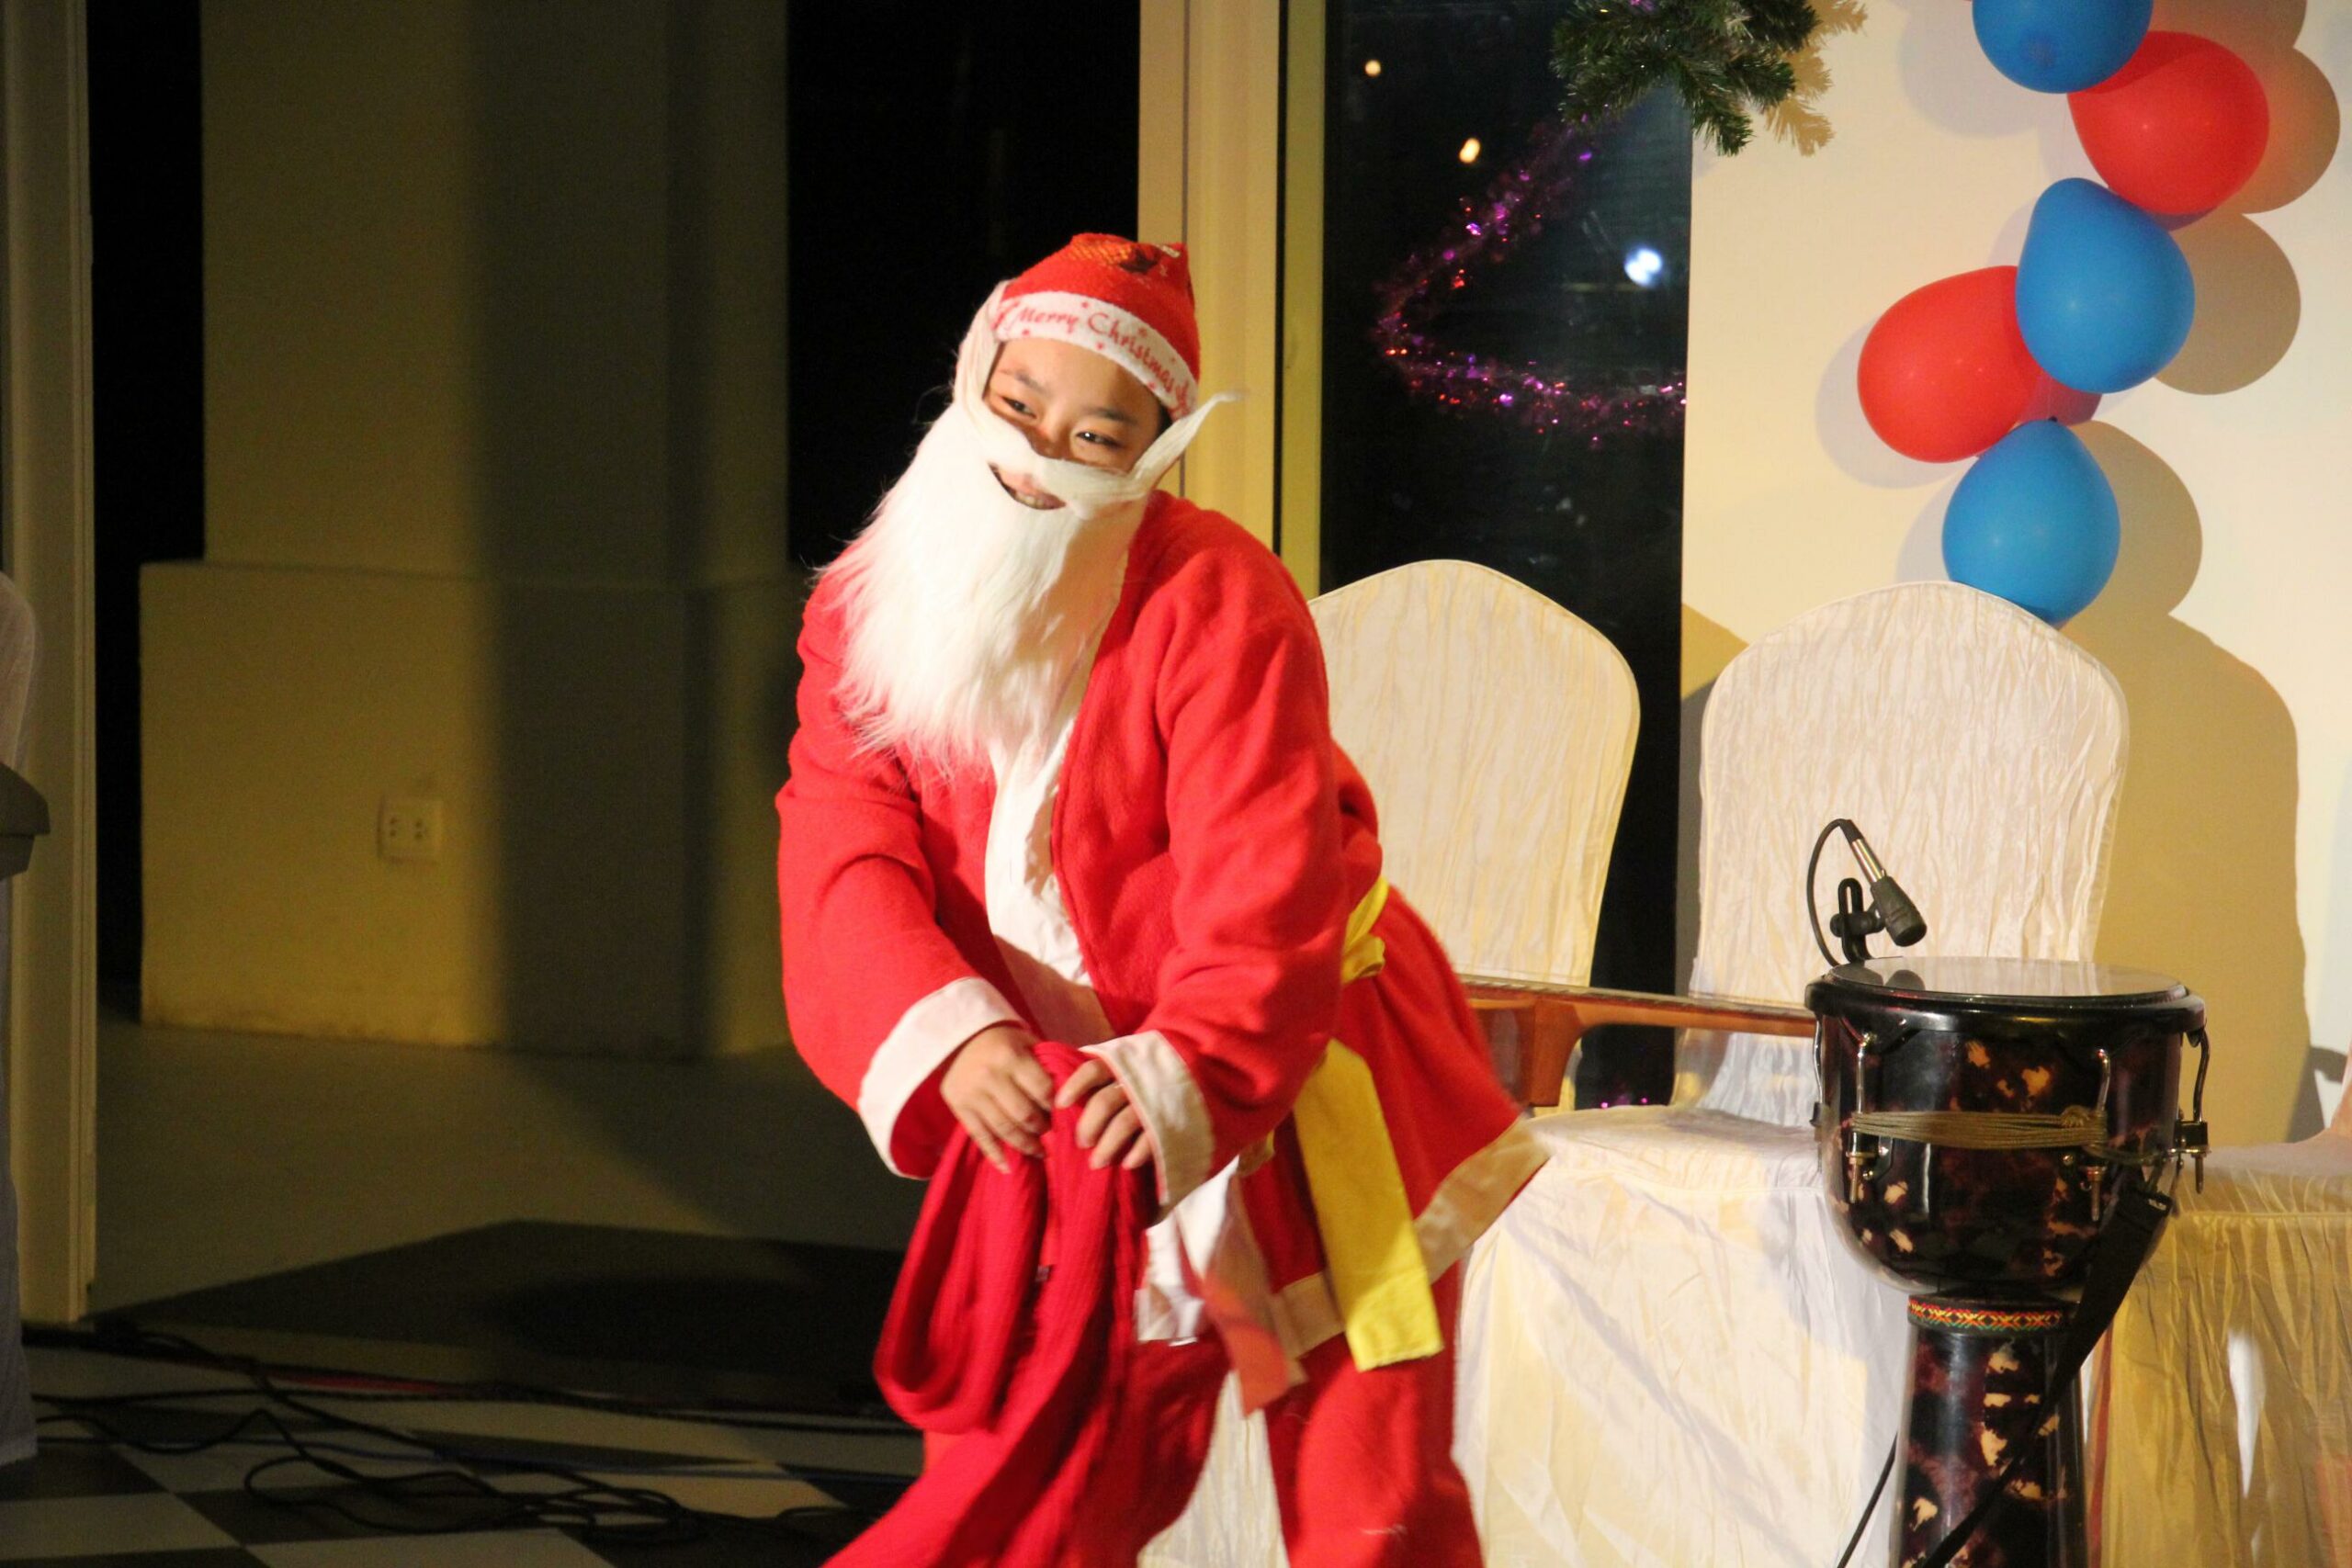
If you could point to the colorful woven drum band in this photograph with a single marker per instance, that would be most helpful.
(1984, 1318)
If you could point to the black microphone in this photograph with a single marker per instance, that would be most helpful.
(1904, 925)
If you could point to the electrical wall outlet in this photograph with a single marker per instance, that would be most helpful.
(409, 829)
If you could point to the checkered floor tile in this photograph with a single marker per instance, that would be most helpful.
(90, 1500)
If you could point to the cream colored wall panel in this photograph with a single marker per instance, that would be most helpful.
(591, 816)
(744, 674)
(1232, 216)
(495, 412)
(1164, 63)
(283, 705)
(341, 361)
(279, 708)
(435, 285)
(1300, 431)
(728, 261)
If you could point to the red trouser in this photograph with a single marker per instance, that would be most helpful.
(1363, 1462)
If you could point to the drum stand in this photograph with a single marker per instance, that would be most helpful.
(1978, 1368)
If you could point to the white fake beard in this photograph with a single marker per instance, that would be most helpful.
(968, 612)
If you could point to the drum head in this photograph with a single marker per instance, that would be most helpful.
(2033, 983)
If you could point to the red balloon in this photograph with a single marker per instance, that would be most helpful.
(1945, 372)
(2179, 129)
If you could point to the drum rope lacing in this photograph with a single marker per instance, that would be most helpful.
(2076, 1127)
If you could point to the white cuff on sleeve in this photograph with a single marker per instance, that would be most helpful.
(925, 1035)
(1160, 1087)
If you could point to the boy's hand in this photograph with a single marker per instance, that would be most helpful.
(999, 1091)
(1109, 1125)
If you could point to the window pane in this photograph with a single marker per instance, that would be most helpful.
(1437, 113)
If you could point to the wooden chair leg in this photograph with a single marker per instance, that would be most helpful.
(1551, 1037)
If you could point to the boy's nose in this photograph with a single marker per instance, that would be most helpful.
(1048, 443)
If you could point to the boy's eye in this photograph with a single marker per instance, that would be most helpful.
(1015, 404)
(1096, 438)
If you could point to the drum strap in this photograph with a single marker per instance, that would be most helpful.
(2124, 1244)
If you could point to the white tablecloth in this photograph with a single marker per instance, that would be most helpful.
(2227, 1432)
(2228, 1420)
(1754, 1439)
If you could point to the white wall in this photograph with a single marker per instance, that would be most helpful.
(2229, 621)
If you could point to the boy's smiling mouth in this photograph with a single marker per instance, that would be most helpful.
(1035, 499)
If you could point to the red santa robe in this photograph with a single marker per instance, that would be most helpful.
(1165, 880)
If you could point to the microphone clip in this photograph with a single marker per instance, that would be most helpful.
(1854, 923)
(1860, 915)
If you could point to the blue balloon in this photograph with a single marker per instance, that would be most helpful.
(2104, 294)
(2034, 522)
(2060, 46)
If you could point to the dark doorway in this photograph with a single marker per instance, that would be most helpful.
(934, 150)
(147, 374)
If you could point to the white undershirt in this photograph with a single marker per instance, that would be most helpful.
(1041, 949)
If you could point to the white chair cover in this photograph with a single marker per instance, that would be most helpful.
(1981, 752)
(1497, 731)
(1670, 1357)
(16, 645)
(2226, 1406)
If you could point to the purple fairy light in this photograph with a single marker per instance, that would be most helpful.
(1513, 209)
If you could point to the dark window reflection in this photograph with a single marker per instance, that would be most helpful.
(1597, 297)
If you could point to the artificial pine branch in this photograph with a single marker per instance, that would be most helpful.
(1726, 59)
(1783, 26)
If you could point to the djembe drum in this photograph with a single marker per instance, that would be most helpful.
(1977, 1118)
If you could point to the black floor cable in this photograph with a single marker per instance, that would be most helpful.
(595, 1511)
(116, 1338)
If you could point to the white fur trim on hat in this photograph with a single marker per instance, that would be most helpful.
(1120, 336)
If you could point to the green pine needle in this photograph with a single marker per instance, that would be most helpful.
(1727, 60)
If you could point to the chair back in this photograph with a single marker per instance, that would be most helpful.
(1979, 751)
(1496, 730)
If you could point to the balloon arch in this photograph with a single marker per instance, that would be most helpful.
(1975, 366)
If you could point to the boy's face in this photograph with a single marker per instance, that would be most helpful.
(1072, 404)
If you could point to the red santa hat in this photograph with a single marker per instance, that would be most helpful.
(1128, 302)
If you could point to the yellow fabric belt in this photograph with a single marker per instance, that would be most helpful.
(1373, 1254)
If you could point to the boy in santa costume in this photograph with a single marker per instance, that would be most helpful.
(1064, 773)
